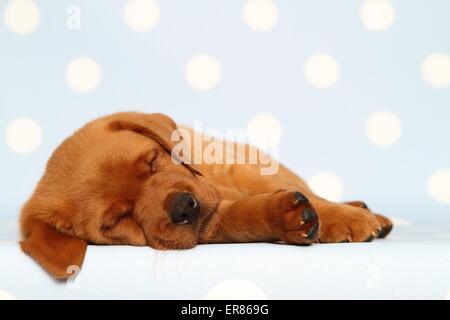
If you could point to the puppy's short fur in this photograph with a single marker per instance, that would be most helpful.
(115, 182)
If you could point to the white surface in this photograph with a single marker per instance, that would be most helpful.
(413, 263)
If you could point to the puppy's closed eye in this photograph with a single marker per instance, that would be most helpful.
(152, 161)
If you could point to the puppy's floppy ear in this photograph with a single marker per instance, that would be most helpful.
(156, 126)
(55, 252)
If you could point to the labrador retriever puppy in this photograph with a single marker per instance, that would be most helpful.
(117, 181)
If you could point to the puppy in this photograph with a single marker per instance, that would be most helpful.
(117, 181)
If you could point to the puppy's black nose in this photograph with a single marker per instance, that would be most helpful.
(185, 209)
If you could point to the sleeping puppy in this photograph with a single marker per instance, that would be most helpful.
(118, 181)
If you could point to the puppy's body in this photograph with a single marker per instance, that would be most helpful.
(115, 182)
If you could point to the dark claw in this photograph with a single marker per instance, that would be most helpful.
(384, 232)
(300, 198)
(309, 215)
(345, 241)
(370, 239)
(312, 233)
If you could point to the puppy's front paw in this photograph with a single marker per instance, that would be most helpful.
(297, 220)
(343, 223)
(386, 226)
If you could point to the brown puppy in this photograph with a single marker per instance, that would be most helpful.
(117, 181)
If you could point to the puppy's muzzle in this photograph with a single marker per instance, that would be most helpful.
(185, 209)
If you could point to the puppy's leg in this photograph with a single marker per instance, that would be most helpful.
(386, 224)
(241, 222)
(290, 217)
(346, 223)
(286, 216)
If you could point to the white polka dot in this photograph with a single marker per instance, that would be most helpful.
(83, 74)
(22, 16)
(400, 222)
(236, 289)
(436, 70)
(203, 72)
(439, 186)
(321, 70)
(384, 128)
(260, 15)
(23, 135)
(327, 185)
(264, 131)
(377, 15)
(5, 295)
(142, 15)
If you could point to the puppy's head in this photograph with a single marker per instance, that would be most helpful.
(115, 181)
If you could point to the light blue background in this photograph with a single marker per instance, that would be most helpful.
(261, 72)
